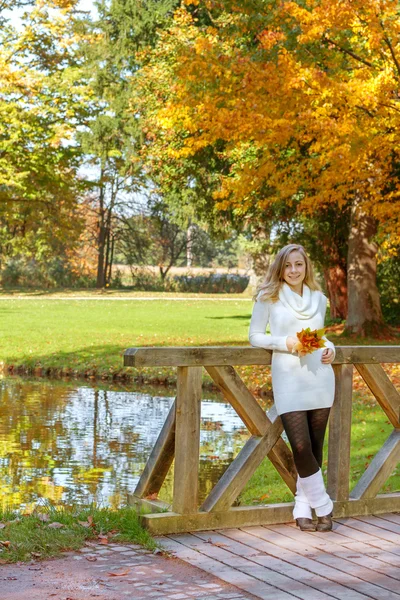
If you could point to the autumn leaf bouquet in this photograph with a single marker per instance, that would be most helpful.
(309, 340)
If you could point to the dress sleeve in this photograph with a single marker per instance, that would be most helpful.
(328, 344)
(258, 325)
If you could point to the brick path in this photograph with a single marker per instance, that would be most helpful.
(113, 572)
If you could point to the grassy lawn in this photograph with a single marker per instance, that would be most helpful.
(89, 336)
(47, 533)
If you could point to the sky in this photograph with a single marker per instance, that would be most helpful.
(16, 14)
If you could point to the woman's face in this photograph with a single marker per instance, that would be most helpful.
(295, 270)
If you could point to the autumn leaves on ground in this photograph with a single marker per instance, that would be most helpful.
(49, 531)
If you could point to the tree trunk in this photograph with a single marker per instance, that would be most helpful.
(101, 237)
(365, 314)
(336, 287)
(101, 243)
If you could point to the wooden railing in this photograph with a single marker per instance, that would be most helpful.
(180, 436)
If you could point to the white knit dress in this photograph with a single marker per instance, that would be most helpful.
(298, 383)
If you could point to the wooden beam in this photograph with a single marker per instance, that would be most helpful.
(340, 434)
(383, 390)
(246, 516)
(241, 399)
(255, 419)
(162, 356)
(241, 469)
(160, 459)
(195, 356)
(379, 469)
(187, 440)
(146, 505)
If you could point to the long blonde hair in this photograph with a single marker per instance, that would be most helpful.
(273, 282)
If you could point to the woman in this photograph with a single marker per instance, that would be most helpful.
(290, 300)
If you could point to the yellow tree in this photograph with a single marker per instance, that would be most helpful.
(303, 100)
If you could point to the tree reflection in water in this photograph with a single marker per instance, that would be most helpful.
(75, 444)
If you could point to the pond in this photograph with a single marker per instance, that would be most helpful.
(70, 443)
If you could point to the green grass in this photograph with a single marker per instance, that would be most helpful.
(370, 429)
(48, 533)
(88, 337)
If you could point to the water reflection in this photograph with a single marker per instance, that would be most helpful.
(73, 444)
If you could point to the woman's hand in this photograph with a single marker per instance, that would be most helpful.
(290, 342)
(327, 356)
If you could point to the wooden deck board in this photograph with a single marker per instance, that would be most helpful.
(359, 560)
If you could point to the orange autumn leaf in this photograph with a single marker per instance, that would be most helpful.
(309, 340)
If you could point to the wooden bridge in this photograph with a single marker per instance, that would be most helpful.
(180, 436)
(257, 548)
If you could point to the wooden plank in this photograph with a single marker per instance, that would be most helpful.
(340, 434)
(243, 355)
(241, 469)
(379, 522)
(345, 573)
(187, 440)
(160, 459)
(246, 564)
(383, 390)
(318, 547)
(255, 419)
(392, 517)
(377, 544)
(329, 578)
(226, 573)
(242, 516)
(373, 530)
(379, 469)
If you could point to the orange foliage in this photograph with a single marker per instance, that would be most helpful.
(309, 341)
(304, 95)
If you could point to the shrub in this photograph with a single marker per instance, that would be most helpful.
(212, 283)
(146, 280)
(55, 272)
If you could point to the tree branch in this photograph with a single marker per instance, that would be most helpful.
(349, 52)
(389, 45)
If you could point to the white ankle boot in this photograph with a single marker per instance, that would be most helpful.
(314, 489)
(302, 508)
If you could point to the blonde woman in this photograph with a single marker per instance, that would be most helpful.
(290, 300)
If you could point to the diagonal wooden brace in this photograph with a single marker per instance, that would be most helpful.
(379, 469)
(241, 469)
(255, 419)
(383, 390)
(160, 459)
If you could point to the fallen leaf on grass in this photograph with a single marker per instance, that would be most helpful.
(5, 544)
(120, 574)
(56, 525)
(84, 524)
(36, 554)
(43, 517)
(2, 525)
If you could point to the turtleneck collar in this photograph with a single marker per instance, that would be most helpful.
(303, 307)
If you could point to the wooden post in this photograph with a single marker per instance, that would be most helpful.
(187, 440)
(340, 434)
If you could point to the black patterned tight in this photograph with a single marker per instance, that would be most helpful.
(306, 431)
